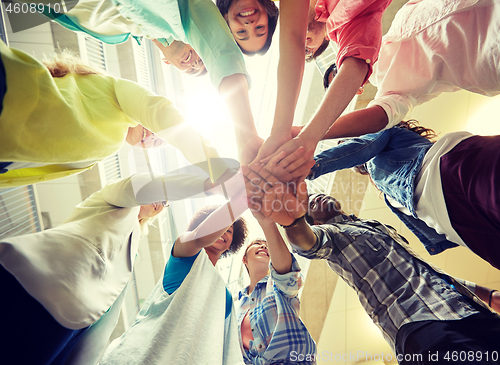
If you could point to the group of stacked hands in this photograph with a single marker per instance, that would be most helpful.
(61, 117)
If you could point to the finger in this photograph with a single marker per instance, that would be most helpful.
(302, 171)
(268, 158)
(296, 155)
(274, 161)
(299, 161)
(263, 173)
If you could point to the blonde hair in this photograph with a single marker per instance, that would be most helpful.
(65, 62)
(146, 222)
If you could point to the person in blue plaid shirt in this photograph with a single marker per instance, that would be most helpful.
(270, 329)
(419, 309)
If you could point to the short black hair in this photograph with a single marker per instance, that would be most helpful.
(272, 16)
(240, 230)
(332, 69)
(319, 51)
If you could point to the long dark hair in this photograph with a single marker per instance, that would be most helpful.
(272, 16)
(240, 230)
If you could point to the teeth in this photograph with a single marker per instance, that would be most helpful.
(247, 13)
(188, 57)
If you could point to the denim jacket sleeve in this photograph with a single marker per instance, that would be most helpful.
(433, 242)
(350, 153)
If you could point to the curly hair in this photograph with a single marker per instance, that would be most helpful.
(240, 230)
(65, 62)
(272, 16)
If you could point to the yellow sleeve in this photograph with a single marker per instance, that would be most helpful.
(159, 115)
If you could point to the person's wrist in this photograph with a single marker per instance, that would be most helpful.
(308, 138)
(265, 222)
(295, 223)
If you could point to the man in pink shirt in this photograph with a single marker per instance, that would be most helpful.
(355, 25)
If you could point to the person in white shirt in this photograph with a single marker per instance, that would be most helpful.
(62, 280)
(433, 46)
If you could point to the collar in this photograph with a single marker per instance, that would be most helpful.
(341, 218)
(244, 291)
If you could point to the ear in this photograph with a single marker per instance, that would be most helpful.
(244, 260)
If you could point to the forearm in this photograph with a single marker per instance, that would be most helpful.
(216, 223)
(234, 90)
(341, 91)
(358, 123)
(301, 236)
(293, 28)
(281, 258)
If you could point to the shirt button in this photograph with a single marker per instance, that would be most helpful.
(253, 299)
(260, 346)
(433, 250)
(367, 61)
(253, 329)
(250, 313)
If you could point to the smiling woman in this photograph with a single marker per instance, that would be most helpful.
(252, 23)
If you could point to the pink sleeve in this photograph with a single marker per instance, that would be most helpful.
(360, 38)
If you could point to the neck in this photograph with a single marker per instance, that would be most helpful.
(256, 275)
(213, 256)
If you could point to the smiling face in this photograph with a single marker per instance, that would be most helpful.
(143, 137)
(248, 22)
(223, 243)
(323, 207)
(256, 254)
(150, 210)
(183, 57)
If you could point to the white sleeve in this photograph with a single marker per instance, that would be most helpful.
(395, 106)
(142, 189)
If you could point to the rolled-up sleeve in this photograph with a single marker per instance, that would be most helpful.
(142, 189)
(396, 106)
(289, 283)
(323, 248)
(356, 26)
(360, 38)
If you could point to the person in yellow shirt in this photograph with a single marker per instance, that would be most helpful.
(61, 118)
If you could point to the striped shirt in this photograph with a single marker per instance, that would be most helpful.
(279, 335)
(393, 284)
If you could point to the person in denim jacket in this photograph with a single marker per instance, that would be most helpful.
(443, 191)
